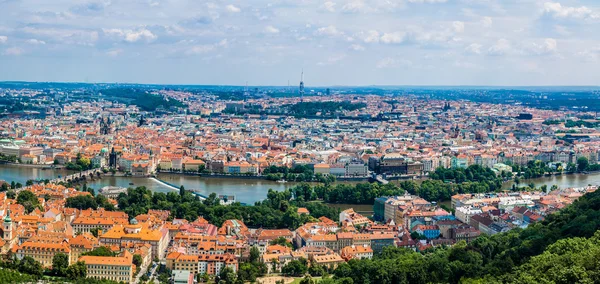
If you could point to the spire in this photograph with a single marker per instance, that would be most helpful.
(301, 89)
(7, 217)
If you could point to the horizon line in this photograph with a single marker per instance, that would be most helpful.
(286, 86)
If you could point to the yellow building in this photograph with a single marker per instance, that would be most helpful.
(157, 237)
(82, 243)
(119, 268)
(322, 169)
(42, 252)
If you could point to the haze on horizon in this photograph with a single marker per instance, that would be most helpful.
(336, 42)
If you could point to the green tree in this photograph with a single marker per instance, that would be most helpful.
(181, 191)
(60, 263)
(101, 251)
(82, 202)
(28, 265)
(137, 260)
(4, 187)
(227, 276)
(77, 270)
(28, 200)
(254, 254)
(582, 164)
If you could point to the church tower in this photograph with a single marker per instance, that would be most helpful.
(7, 227)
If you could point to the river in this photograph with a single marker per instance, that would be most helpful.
(245, 190)
(562, 181)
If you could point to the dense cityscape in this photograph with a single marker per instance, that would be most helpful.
(299, 142)
(446, 181)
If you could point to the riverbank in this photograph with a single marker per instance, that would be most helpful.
(257, 177)
(34, 166)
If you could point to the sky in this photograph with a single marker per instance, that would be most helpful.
(270, 42)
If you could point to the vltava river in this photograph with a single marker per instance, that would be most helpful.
(244, 190)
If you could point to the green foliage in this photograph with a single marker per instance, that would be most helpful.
(537, 254)
(28, 200)
(144, 100)
(76, 271)
(101, 251)
(582, 164)
(312, 108)
(82, 202)
(137, 260)
(28, 265)
(295, 268)
(227, 276)
(281, 241)
(12, 276)
(581, 123)
(277, 211)
(60, 262)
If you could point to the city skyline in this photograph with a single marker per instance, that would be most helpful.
(337, 43)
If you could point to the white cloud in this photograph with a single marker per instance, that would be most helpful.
(356, 6)
(357, 47)
(590, 55)
(200, 49)
(141, 34)
(502, 47)
(3, 39)
(271, 30)
(390, 62)
(114, 52)
(487, 22)
(549, 45)
(14, 51)
(458, 26)
(474, 48)
(328, 6)
(371, 36)
(427, 1)
(35, 41)
(232, 9)
(328, 31)
(333, 59)
(557, 10)
(397, 37)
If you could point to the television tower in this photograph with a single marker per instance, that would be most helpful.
(301, 89)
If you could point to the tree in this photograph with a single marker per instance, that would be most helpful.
(181, 191)
(11, 194)
(137, 260)
(28, 200)
(227, 276)
(101, 251)
(4, 187)
(281, 241)
(582, 164)
(77, 270)
(29, 182)
(295, 268)
(95, 231)
(254, 254)
(60, 263)
(28, 265)
(82, 202)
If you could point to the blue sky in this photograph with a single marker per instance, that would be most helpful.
(336, 42)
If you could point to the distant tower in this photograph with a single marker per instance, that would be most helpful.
(7, 226)
(105, 126)
(301, 89)
(142, 121)
(112, 159)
